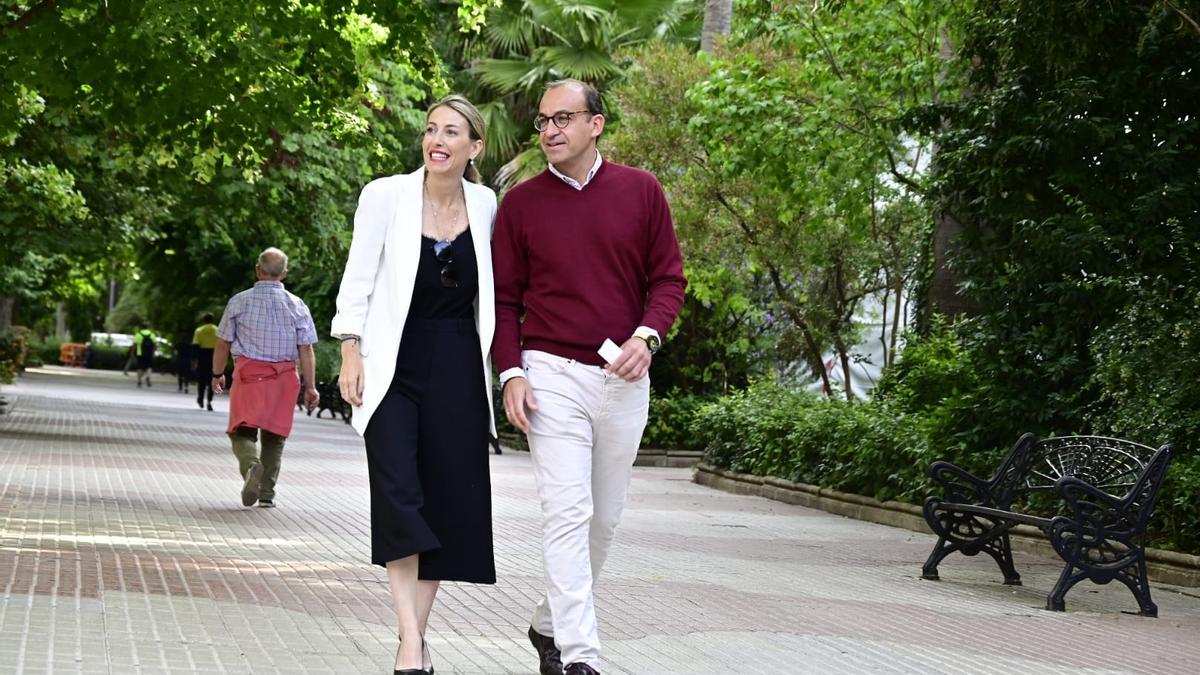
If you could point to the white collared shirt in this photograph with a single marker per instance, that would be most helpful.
(574, 183)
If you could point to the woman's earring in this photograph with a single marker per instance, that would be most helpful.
(471, 161)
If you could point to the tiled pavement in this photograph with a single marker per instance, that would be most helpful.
(124, 549)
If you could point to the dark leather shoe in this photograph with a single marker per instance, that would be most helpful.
(580, 669)
(551, 658)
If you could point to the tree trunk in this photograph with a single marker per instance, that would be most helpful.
(60, 322)
(944, 297)
(844, 360)
(6, 313)
(718, 19)
(891, 349)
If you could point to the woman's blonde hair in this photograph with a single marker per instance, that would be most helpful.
(459, 104)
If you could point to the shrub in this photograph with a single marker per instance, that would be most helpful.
(45, 351)
(329, 359)
(10, 353)
(670, 424)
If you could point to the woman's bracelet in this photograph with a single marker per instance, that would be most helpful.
(348, 338)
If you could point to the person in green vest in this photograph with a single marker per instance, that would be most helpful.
(144, 347)
(203, 342)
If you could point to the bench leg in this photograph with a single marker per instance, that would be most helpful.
(1001, 551)
(1135, 578)
(1056, 601)
(943, 548)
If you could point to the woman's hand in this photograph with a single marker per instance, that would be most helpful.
(350, 377)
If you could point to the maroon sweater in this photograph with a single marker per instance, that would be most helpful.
(583, 265)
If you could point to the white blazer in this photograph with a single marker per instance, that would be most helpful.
(381, 272)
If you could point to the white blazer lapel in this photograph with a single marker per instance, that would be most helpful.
(405, 243)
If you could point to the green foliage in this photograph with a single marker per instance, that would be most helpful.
(1070, 161)
(14, 348)
(771, 430)
(329, 359)
(528, 43)
(168, 146)
(671, 422)
(45, 351)
(785, 158)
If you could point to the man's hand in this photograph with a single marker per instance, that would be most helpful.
(634, 361)
(518, 396)
(350, 377)
(218, 384)
(311, 398)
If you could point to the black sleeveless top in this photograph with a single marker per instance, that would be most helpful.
(432, 299)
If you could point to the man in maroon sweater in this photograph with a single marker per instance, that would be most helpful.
(584, 252)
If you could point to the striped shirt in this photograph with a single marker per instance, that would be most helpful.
(266, 323)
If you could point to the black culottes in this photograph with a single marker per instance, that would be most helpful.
(427, 455)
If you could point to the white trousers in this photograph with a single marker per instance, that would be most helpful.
(583, 439)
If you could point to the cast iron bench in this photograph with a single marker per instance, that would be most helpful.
(1092, 496)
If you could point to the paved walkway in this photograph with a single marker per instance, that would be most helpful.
(124, 549)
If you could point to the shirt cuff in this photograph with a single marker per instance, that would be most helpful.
(510, 374)
(645, 332)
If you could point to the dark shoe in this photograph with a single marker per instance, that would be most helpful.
(200, 404)
(209, 407)
(580, 669)
(266, 503)
(250, 486)
(551, 657)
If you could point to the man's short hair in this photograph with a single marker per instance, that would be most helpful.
(207, 318)
(273, 262)
(591, 97)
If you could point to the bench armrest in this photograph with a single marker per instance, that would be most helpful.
(1072, 489)
(1094, 507)
(961, 486)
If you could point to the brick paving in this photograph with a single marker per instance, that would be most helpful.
(124, 549)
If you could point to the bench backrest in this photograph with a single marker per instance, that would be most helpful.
(1110, 464)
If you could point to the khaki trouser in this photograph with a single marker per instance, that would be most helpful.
(245, 448)
(583, 439)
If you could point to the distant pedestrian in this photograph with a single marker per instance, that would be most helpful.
(144, 346)
(204, 340)
(266, 328)
(183, 363)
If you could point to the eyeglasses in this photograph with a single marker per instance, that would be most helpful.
(443, 251)
(561, 119)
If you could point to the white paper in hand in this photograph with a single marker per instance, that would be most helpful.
(609, 351)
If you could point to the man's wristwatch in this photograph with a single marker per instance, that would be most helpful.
(651, 341)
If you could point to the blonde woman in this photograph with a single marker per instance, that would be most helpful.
(415, 314)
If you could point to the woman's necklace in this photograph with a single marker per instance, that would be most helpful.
(443, 231)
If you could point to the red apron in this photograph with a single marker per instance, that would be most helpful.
(263, 395)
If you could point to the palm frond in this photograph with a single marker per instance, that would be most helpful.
(510, 33)
(527, 164)
(504, 133)
(589, 63)
(510, 75)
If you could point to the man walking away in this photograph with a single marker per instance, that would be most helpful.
(144, 347)
(266, 328)
(204, 340)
